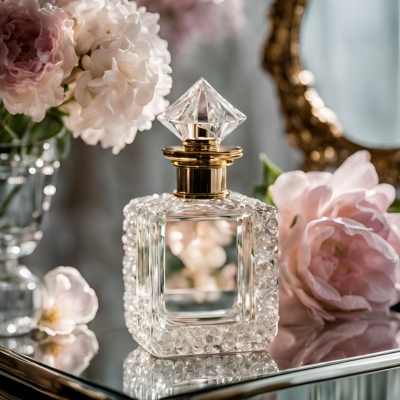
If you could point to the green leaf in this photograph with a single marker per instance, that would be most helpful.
(271, 170)
(259, 192)
(48, 128)
(64, 143)
(395, 207)
(19, 124)
(271, 173)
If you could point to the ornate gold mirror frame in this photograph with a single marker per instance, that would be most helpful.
(310, 125)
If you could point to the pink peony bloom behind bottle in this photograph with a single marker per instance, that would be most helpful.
(36, 54)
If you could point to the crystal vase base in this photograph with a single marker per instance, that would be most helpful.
(20, 298)
(27, 183)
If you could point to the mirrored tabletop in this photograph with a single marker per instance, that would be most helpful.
(110, 361)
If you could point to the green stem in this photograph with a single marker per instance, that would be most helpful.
(8, 199)
(10, 132)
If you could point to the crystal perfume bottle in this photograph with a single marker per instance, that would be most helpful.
(200, 264)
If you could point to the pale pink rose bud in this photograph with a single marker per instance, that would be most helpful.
(36, 55)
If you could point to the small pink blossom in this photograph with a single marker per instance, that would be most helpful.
(36, 54)
(339, 246)
(68, 302)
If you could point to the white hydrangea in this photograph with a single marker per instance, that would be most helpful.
(123, 74)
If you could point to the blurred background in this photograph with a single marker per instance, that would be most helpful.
(350, 46)
(222, 43)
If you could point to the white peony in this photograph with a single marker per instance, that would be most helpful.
(123, 74)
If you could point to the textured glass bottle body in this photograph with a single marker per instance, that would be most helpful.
(212, 319)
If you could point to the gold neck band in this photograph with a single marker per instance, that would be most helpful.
(202, 168)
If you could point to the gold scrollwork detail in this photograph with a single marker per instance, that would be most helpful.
(310, 125)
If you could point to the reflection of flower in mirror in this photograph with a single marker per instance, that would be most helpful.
(68, 301)
(309, 344)
(69, 353)
(181, 20)
(149, 377)
(202, 248)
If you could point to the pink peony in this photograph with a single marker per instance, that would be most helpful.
(339, 246)
(36, 55)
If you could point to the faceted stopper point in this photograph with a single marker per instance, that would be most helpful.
(201, 113)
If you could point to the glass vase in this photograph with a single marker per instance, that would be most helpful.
(27, 184)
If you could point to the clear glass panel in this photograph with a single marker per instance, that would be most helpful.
(200, 267)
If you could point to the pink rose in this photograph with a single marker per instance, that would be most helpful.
(36, 55)
(339, 246)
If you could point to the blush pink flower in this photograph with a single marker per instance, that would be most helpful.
(335, 269)
(353, 191)
(36, 55)
(68, 302)
(339, 246)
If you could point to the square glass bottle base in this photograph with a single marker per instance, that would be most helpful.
(223, 297)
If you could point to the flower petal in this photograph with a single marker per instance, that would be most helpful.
(356, 172)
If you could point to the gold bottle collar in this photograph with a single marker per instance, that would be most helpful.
(201, 168)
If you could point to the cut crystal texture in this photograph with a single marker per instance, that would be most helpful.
(147, 377)
(206, 324)
(201, 107)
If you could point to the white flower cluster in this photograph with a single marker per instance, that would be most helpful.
(123, 73)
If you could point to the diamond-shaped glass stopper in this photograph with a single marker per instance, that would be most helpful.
(201, 113)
